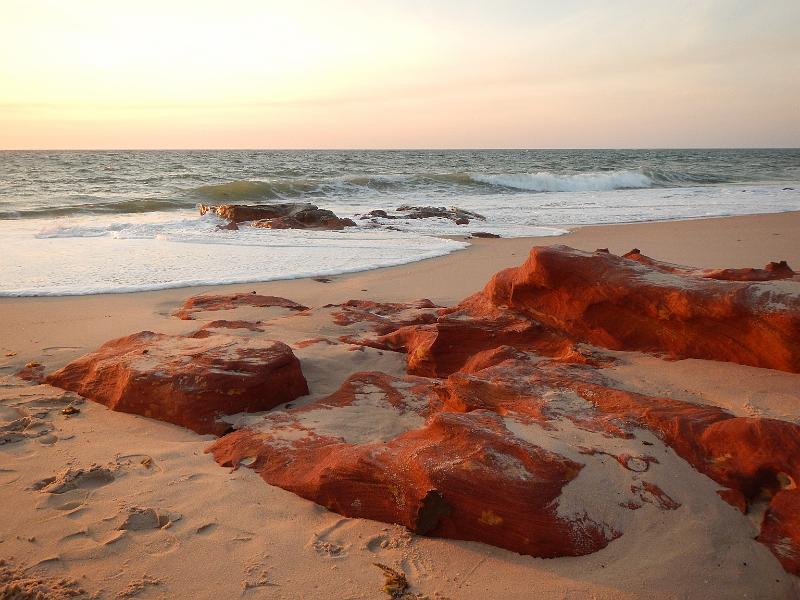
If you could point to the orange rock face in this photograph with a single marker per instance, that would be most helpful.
(289, 215)
(561, 297)
(507, 391)
(505, 430)
(187, 381)
(771, 272)
(421, 466)
(211, 302)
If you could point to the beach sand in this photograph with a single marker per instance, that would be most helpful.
(158, 518)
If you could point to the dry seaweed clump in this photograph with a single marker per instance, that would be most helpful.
(396, 583)
(17, 584)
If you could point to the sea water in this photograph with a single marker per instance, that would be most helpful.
(82, 222)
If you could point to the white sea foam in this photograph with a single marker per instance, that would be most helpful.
(580, 182)
(145, 251)
(158, 251)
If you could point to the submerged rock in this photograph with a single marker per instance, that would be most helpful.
(299, 215)
(239, 213)
(459, 216)
(188, 381)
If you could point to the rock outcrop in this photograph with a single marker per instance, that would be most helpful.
(771, 272)
(212, 302)
(188, 381)
(279, 216)
(239, 213)
(382, 448)
(505, 429)
(459, 216)
(561, 297)
(507, 389)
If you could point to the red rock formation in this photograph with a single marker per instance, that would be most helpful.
(313, 341)
(187, 381)
(279, 216)
(780, 530)
(771, 272)
(509, 387)
(239, 213)
(211, 302)
(225, 324)
(755, 458)
(429, 475)
(384, 317)
(514, 351)
(616, 303)
(318, 219)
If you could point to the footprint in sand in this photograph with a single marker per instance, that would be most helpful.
(72, 479)
(399, 539)
(141, 519)
(50, 350)
(23, 428)
(206, 529)
(70, 489)
(8, 476)
(326, 543)
(143, 465)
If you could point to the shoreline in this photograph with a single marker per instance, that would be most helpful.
(80, 323)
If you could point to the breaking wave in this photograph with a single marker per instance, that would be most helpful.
(580, 182)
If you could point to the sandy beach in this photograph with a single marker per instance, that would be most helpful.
(158, 518)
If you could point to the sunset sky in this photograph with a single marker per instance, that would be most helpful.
(398, 74)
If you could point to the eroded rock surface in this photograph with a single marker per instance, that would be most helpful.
(561, 297)
(382, 448)
(459, 216)
(506, 389)
(212, 302)
(505, 429)
(772, 271)
(280, 216)
(188, 381)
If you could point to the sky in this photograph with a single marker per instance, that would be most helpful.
(399, 74)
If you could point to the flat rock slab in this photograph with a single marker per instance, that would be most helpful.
(188, 381)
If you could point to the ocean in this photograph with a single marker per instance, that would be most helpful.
(83, 222)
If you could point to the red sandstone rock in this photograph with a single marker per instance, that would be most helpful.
(316, 220)
(616, 303)
(780, 530)
(287, 215)
(419, 467)
(755, 458)
(187, 381)
(313, 341)
(211, 302)
(239, 213)
(773, 271)
(384, 317)
(225, 324)
(423, 452)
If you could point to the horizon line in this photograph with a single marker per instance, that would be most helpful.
(393, 149)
